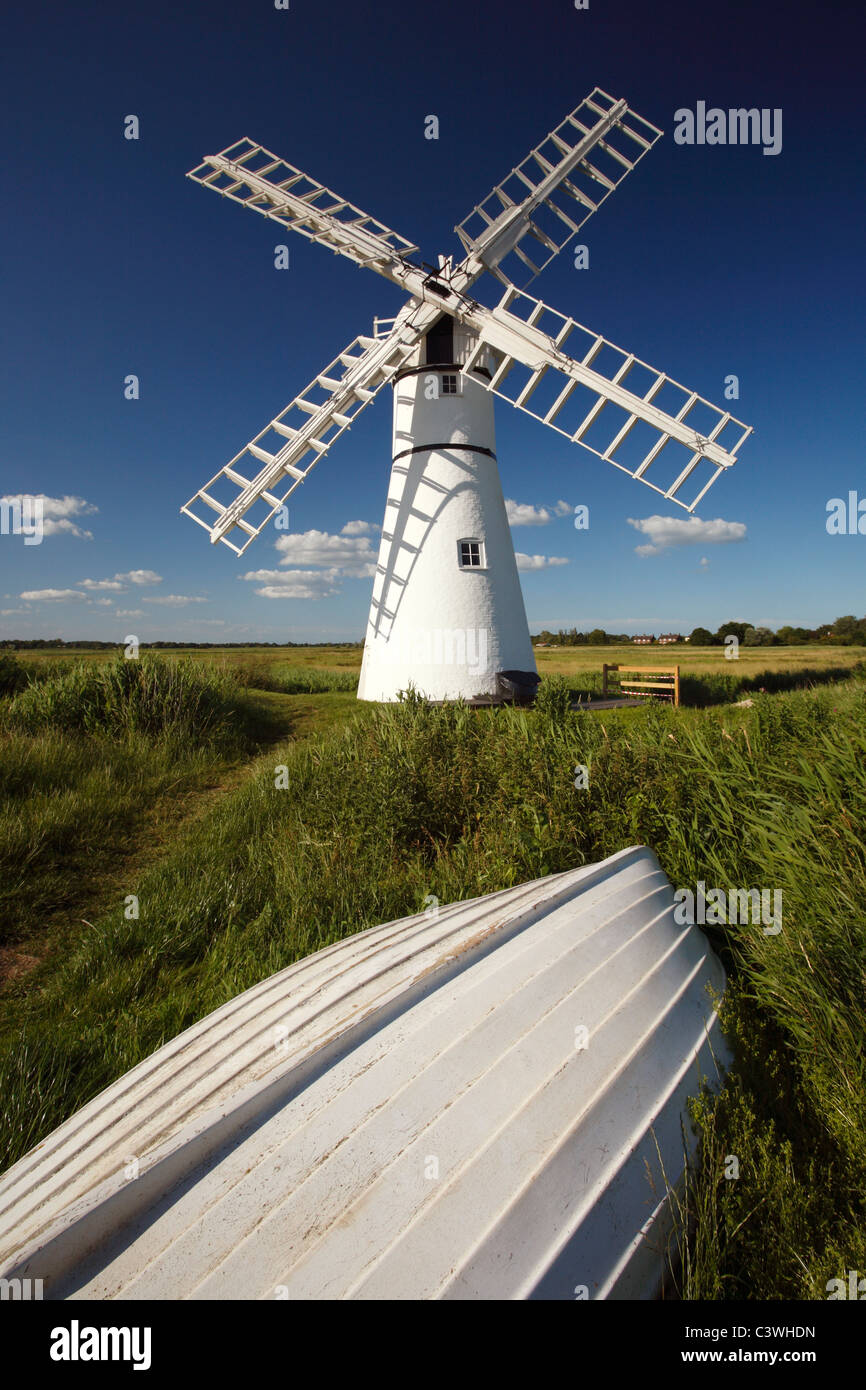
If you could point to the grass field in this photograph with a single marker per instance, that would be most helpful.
(568, 661)
(338, 658)
(698, 661)
(110, 790)
(94, 783)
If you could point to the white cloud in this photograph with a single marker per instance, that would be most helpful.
(298, 590)
(120, 581)
(353, 556)
(140, 577)
(358, 528)
(667, 531)
(104, 602)
(65, 506)
(538, 562)
(175, 600)
(7, 612)
(129, 612)
(523, 513)
(57, 513)
(53, 594)
(65, 527)
(311, 584)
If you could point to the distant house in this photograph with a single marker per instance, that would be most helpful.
(668, 637)
(642, 640)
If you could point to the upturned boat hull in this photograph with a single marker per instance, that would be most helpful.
(483, 1101)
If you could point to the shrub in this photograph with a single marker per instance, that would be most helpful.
(149, 696)
(553, 699)
(13, 676)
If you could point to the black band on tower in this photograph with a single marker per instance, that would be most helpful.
(428, 448)
(434, 367)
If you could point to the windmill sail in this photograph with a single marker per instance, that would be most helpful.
(608, 400)
(546, 199)
(252, 176)
(241, 499)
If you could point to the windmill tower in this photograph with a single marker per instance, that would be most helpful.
(447, 611)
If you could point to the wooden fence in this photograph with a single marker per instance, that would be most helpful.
(665, 685)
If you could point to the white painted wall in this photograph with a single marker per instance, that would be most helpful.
(445, 629)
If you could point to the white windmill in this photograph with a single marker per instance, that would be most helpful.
(447, 611)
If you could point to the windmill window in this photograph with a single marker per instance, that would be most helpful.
(449, 384)
(471, 554)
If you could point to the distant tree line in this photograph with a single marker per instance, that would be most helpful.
(35, 644)
(844, 632)
(597, 638)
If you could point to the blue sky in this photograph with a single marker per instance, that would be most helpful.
(708, 261)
